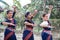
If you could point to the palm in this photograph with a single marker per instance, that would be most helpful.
(14, 7)
(50, 6)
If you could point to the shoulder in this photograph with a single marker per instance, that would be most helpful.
(26, 20)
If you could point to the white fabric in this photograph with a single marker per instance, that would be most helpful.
(44, 23)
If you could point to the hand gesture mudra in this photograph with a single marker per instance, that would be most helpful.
(50, 7)
(14, 6)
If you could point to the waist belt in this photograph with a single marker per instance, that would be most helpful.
(47, 31)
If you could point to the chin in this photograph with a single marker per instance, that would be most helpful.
(46, 20)
(10, 17)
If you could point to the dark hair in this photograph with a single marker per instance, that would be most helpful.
(27, 14)
(44, 15)
(9, 11)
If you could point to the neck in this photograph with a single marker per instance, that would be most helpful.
(28, 18)
(9, 18)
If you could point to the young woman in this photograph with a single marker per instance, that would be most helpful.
(46, 25)
(28, 32)
(9, 33)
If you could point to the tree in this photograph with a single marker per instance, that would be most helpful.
(4, 2)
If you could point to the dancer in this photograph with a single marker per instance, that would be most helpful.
(46, 25)
(10, 22)
(28, 32)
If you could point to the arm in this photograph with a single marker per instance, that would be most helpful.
(6, 23)
(49, 13)
(27, 23)
(50, 9)
(35, 12)
(14, 7)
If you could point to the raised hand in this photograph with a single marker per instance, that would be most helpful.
(50, 7)
(14, 7)
(35, 11)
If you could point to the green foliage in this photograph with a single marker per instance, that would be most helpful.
(39, 5)
(56, 23)
(4, 2)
